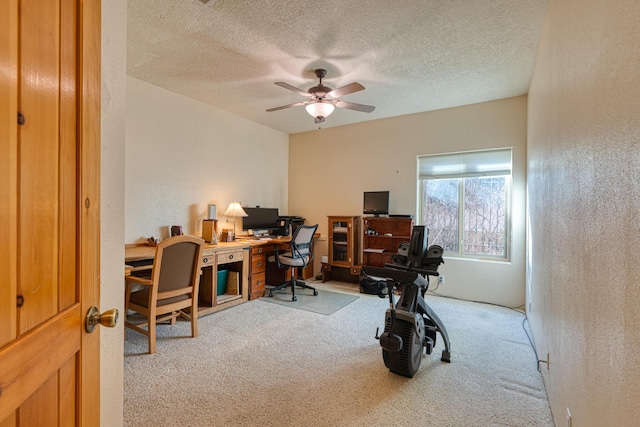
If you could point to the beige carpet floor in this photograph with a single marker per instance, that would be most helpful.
(265, 364)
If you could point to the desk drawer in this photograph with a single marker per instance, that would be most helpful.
(258, 250)
(225, 258)
(257, 285)
(207, 260)
(257, 282)
(258, 264)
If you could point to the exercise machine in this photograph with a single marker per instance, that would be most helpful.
(410, 324)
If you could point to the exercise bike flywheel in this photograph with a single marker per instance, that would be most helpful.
(406, 362)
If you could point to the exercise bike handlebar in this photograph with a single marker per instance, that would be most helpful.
(412, 269)
(400, 276)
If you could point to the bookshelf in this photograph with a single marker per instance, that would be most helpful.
(381, 238)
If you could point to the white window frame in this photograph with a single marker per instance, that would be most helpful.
(468, 164)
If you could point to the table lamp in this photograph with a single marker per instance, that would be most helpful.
(235, 210)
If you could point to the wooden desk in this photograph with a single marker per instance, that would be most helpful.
(247, 257)
(227, 255)
(262, 272)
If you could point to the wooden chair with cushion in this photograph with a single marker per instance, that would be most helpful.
(172, 290)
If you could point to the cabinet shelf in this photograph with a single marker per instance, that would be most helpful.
(344, 239)
(232, 260)
(344, 249)
(381, 238)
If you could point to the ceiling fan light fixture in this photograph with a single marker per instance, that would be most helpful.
(320, 109)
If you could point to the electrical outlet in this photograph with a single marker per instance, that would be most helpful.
(548, 361)
(568, 418)
(441, 279)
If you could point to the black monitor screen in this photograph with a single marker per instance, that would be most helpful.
(261, 219)
(376, 202)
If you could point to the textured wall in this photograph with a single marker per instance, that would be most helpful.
(112, 141)
(331, 168)
(583, 277)
(182, 155)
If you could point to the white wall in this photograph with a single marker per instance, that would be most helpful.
(329, 169)
(584, 200)
(112, 139)
(182, 155)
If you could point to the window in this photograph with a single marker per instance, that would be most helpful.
(465, 202)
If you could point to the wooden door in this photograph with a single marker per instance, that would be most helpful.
(49, 211)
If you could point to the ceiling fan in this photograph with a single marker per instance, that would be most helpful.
(322, 100)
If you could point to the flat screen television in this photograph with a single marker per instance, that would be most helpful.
(376, 203)
(261, 219)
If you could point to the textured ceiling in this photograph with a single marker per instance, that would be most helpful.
(411, 56)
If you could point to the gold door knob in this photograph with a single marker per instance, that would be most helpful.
(109, 318)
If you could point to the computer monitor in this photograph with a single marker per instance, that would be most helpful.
(376, 203)
(261, 219)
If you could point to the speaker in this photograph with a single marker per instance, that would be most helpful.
(212, 212)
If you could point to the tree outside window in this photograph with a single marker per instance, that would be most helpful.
(466, 215)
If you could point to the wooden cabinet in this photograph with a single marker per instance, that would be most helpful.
(381, 238)
(228, 261)
(215, 295)
(344, 236)
(344, 249)
(257, 271)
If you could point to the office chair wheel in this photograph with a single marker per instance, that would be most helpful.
(294, 298)
(315, 293)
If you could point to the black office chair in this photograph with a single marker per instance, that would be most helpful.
(299, 255)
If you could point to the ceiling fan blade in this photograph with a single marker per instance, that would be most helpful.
(354, 106)
(294, 89)
(319, 120)
(297, 104)
(346, 90)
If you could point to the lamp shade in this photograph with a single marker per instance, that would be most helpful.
(235, 210)
(320, 109)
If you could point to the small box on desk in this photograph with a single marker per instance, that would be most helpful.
(210, 230)
(227, 236)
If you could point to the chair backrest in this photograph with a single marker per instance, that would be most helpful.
(177, 263)
(302, 240)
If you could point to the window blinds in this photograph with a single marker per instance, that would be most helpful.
(467, 164)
